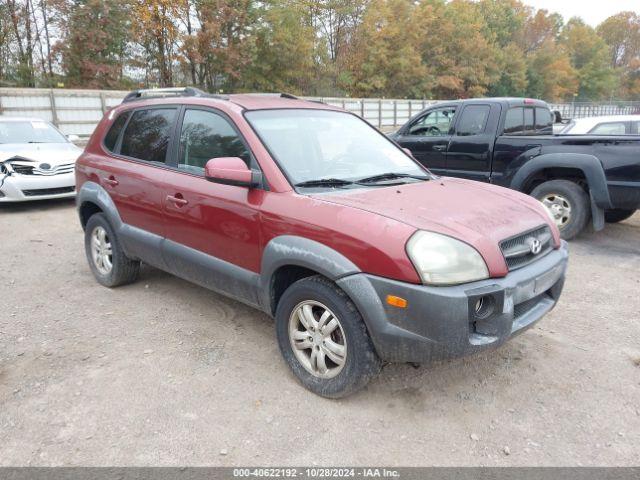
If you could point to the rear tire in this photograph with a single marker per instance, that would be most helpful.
(316, 302)
(617, 215)
(567, 202)
(107, 260)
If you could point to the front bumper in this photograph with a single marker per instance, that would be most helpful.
(440, 322)
(21, 188)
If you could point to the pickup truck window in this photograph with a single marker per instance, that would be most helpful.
(147, 134)
(544, 120)
(436, 123)
(474, 119)
(528, 121)
(609, 128)
(206, 135)
(529, 124)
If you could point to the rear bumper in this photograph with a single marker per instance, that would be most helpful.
(440, 322)
(22, 188)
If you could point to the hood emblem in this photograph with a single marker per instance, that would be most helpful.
(45, 166)
(535, 245)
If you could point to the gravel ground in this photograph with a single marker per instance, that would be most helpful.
(162, 372)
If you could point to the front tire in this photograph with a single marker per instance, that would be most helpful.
(323, 338)
(567, 202)
(107, 260)
(617, 215)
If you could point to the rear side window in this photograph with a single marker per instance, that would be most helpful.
(111, 138)
(474, 119)
(206, 135)
(529, 125)
(544, 120)
(610, 128)
(514, 121)
(147, 134)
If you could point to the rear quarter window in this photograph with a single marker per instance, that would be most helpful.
(111, 139)
(514, 121)
(147, 134)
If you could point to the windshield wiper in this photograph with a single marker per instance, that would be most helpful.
(390, 176)
(324, 182)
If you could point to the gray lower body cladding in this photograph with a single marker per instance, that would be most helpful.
(442, 322)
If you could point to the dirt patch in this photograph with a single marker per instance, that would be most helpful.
(162, 372)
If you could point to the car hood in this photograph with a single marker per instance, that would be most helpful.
(479, 214)
(52, 153)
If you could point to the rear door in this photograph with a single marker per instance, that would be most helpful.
(428, 136)
(212, 230)
(471, 145)
(135, 173)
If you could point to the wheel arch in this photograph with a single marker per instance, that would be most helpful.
(91, 199)
(558, 166)
(289, 258)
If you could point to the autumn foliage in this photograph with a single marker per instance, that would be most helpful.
(381, 48)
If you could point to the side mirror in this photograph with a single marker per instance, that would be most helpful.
(73, 138)
(230, 171)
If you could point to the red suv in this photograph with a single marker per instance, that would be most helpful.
(311, 215)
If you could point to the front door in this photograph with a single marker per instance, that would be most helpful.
(428, 137)
(212, 230)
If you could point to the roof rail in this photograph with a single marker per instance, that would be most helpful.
(169, 92)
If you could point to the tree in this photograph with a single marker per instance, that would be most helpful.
(621, 33)
(284, 47)
(385, 59)
(460, 61)
(504, 21)
(93, 57)
(590, 58)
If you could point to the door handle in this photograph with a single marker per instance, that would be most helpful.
(439, 148)
(111, 181)
(178, 201)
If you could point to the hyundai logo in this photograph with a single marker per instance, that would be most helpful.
(45, 166)
(535, 245)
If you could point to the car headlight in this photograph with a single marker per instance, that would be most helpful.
(442, 260)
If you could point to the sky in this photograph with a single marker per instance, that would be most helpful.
(591, 11)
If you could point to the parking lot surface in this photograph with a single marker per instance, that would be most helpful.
(163, 372)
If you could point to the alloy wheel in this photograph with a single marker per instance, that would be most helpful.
(317, 339)
(101, 251)
(559, 207)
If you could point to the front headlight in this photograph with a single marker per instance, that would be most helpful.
(442, 260)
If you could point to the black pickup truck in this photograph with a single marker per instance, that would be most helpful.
(510, 142)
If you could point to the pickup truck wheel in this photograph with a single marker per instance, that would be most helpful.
(323, 338)
(568, 204)
(107, 261)
(617, 215)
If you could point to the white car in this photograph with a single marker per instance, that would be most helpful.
(610, 125)
(36, 161)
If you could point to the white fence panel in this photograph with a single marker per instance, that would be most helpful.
(78, 111)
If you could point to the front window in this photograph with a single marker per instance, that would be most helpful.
(314, 145)
(30, 131)
(206, 135)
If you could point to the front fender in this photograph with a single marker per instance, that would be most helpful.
(302, 252)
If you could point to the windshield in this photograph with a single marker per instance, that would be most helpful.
(30, 131)
(313, 145)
